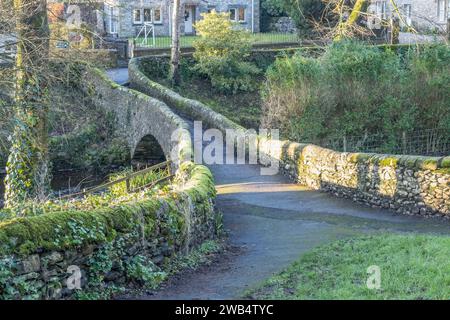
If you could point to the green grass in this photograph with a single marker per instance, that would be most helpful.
(412, 267)
(187, 41)
(243, 108)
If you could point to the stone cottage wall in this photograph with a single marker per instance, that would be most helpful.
(424, 14)
(128, 29)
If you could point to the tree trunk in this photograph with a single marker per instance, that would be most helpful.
(27, 168)
(344, 26)
(175, 52)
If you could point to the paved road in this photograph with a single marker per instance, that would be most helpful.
(273, 221)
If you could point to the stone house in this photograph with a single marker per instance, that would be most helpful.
(424, 15)
(125, 18)
(7, 48)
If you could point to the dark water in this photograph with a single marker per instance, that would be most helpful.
(66, 181)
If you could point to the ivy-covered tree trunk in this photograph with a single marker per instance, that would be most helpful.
(176, 51)
(28, 166)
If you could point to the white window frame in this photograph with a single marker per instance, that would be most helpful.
(8, 46)
(407, 9)
(152, 15)
(407, 12)
(236, 14)
(141, 20)
(442, 10)
(245, 14)
(381, 9)
(160, 15)
(113, 20)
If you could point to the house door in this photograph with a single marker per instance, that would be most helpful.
(189, 14)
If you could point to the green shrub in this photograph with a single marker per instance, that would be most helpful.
(222, 53)
(355, 89)
(141, 269)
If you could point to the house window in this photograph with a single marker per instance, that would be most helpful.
(407, 13)
(9, 46)
(137, 16)
(441, 10)
(157, 16)
(381, 9)
(407, 10)
(113, 20)
(237, 14)
(147, 15)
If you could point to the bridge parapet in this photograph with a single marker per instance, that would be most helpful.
(403, 183)
(69, 244)
(138, 115)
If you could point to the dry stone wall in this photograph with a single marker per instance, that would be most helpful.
(405, 184)
(110, 247)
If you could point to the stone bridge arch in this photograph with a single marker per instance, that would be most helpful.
(138, 116)
(148, 150)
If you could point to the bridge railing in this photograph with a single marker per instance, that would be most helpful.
(166, 164)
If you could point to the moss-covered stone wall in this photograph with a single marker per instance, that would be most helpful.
(405, 184)
(111, 247)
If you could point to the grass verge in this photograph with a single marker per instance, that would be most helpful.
(411, 267)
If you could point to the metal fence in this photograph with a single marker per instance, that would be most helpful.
(426, 142)
(127, 179)
(187, 41)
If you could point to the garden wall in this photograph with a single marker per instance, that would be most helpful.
(406, 184)
(110, 246)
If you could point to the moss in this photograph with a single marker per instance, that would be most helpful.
(445, 162)
(359, 157)
(427, 163)
(70, 229)
(407, 161)
(104, 77)
(443, 171)
(388, 162)
(64, 230)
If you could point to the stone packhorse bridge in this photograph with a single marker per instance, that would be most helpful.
(268, 218)
(274, 218)
(406, 184)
